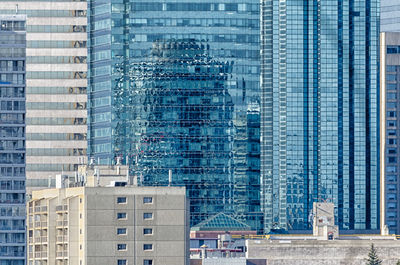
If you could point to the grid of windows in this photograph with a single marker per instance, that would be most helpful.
(319, 107)
(192, 104)
(12, 144)
(391, 153)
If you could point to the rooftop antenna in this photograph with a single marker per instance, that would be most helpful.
(98, 176)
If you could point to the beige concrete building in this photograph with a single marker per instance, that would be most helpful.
(55, 86)
(108, 226)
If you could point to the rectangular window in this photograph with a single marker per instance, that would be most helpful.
(148, 262)
(121, 215)
(147, 199)
(147, 216)
(122, 262)
(147, 231)
(121, 246)
(121, 231)
(147, 246)
(121, 200)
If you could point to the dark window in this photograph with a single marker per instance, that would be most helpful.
(147, 199)
(121, 215)
(121, 200)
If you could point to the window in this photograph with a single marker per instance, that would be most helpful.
(147, 231)
(147, 199)
(121, 200)
(148, 262)
(121, 231)
(122, 262)
(147, 246)
(392, 159)
(392, 141)
(121, 246)
(121, 215)
(147, 216)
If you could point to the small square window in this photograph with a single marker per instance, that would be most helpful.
(147, 231)
(147, 199)
(121, 215)
(148, 262)
(121, 200)
(122, 262)
(121, 246)
(147, 216)
(147, 246)
(121, 231)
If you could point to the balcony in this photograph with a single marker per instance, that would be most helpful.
(60, 208)
(62, 223)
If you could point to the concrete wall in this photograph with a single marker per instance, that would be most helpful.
(312, 252)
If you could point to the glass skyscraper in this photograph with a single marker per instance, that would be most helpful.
(174, 87)
(319, 112)
(12, 139)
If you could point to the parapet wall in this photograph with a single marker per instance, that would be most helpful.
(312, 252)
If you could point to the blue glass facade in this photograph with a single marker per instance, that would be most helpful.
(319, 105)
(12, 143)
(174, 85)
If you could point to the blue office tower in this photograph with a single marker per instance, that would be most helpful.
(174, 88)
(12, 139)
(319, 112)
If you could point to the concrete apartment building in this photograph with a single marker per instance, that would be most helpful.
(55, 86)
(108, 226)
(390, 135)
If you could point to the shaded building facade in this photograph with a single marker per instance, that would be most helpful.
(192, 71)
(12, 139)
(319, 123)
(390, 69)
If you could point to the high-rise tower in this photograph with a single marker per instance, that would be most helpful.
(55, 87)
(175, 86)
(319, 105)
(12, 136)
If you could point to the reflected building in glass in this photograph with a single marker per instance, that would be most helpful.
(12, 135)
(174, 87)
(319, 105)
